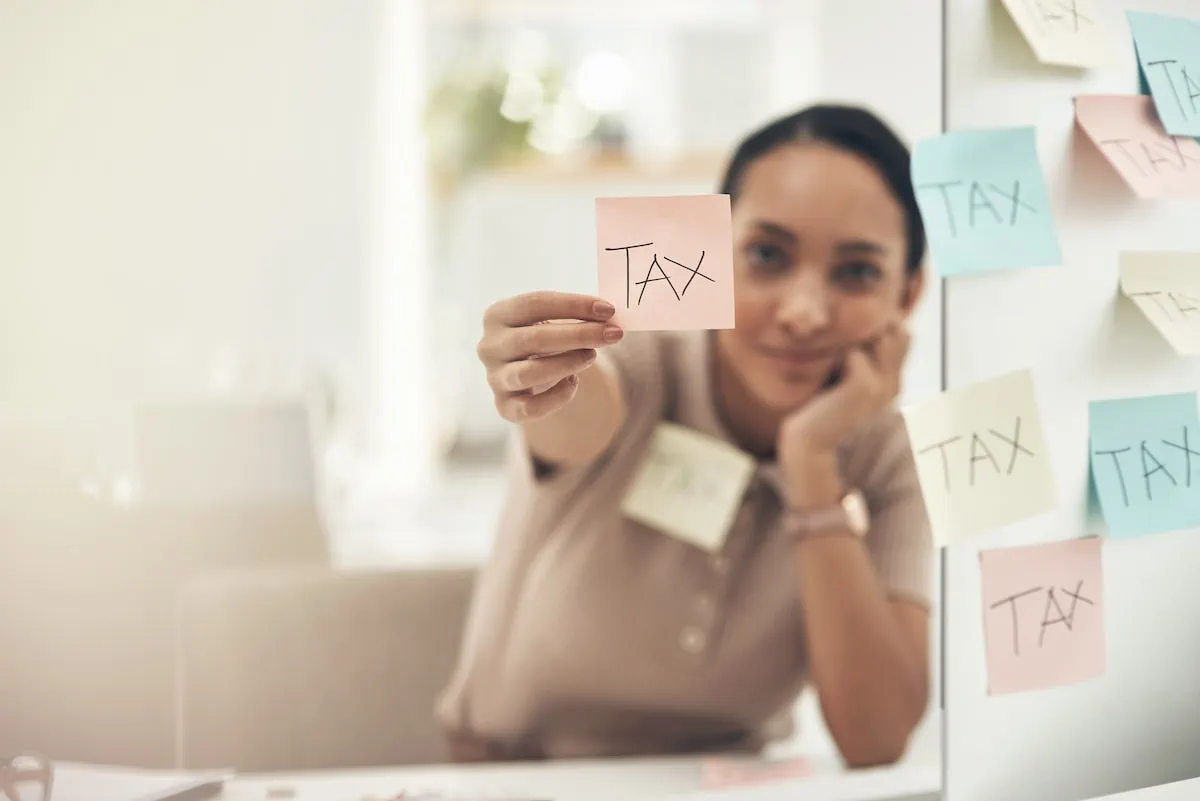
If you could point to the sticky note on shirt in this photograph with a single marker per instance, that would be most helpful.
(984, 202)
(981, 458)
(1128, 132)
(1043, 613)
(1065, 34)
(666, 263)
(1166, 287)
(689, 485)
(1168, 52)
(1145, 462)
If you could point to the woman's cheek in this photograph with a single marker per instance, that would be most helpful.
(859, 319)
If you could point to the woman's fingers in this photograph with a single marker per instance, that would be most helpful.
(521, 407)
(537, 307)
(512, 344)
(532, 374)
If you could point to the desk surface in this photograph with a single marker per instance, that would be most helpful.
(637, 780)
(615, 780)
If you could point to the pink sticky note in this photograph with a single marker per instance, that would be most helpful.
(1043, 608)
(1128, 132)
(666, 263)
(719, 772)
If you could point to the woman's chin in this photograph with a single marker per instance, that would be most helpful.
(784, 395)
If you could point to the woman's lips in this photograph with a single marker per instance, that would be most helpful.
(798, 359)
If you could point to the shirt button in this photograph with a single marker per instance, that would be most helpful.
(720, 564)
(705, 605)
(692, 640)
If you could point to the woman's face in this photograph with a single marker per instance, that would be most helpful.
(819, 251)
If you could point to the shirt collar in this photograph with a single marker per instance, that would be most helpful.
(697, 398)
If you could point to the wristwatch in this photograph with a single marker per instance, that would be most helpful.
(849, 514)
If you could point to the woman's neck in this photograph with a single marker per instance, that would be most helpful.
(754, 427)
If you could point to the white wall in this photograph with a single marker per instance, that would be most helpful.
(194, 197)
(1138, 724)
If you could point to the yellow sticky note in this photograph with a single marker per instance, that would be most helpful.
(981, 457)
(1065, 33)
(666, 263)
(1166, 287)
(689, 485)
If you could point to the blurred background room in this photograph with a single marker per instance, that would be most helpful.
(245, 246)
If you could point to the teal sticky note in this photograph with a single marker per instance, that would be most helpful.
(1145, 462)
(1168, 52)
(984, 202)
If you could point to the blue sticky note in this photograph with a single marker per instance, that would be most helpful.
(1145, 462)
(984, 202)
(1168, 52)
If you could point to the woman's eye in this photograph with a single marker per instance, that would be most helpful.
(860, 274)
(766, 257)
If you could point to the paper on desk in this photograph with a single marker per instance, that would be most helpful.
(1166, 287)
(723, 772)
(73, 782)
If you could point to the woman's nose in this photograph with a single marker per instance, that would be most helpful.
(804, 307)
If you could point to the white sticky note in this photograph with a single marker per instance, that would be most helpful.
(689, 485)
(1166, 287)
(981, 457)
(1064, 33)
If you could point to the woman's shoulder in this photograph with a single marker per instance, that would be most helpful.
(651, 364)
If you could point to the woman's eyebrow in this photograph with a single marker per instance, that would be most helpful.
(860, 246)
(775, 229)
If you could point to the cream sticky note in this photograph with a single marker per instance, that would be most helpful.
(1128, 132)
(666, 263)
(1065, 33)
(1166, 287)
(1043, 613)
(689, 485)
(981, 457)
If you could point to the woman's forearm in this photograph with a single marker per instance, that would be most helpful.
(579, 432)
(872, 685)
(870, 678)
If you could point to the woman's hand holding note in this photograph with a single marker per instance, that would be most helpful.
(535, 345)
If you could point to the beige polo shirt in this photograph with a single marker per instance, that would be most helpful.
(591, 635)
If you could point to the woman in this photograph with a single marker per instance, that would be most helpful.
(593, 635)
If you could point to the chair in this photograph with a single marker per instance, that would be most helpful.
(87, 622)
(284, 670)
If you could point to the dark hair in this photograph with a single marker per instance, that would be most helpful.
(850, 128)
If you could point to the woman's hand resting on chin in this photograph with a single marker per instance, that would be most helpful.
(810, 436)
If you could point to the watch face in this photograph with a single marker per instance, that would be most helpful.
(856, 512)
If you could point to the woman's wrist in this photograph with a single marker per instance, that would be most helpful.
(814, 480)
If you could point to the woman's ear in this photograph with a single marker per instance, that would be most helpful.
(914, 286)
